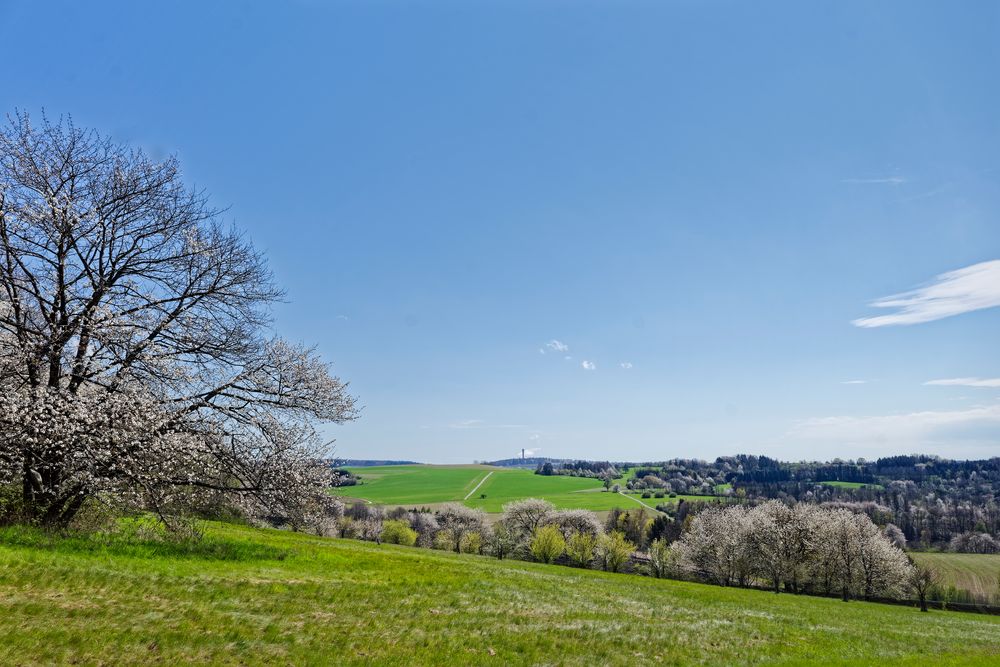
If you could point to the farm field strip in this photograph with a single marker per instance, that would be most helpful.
(476, 488)
(977, 573)
(429, 485)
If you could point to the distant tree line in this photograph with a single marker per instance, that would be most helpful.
(936, 503)
(595, 469)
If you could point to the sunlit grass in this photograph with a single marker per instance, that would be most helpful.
(250, 596)
(979, 574)
(427, 485)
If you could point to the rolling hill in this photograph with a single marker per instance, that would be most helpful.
(248, 596)
(416, 485)
(979, 574)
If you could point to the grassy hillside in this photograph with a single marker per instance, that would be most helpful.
(977, 573)
(247, 596)
(852, 485)
(397, 485)
(430, 484)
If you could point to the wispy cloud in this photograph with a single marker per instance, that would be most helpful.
(588, 365)
(972, 288)
(883, 180)
(854, 382)
(479, 423)
(979, 424)
(557, 346)
(965, 382)
(626, 365)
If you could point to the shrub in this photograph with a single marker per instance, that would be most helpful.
(661, 558)
(458, 520)
(547, 544)
(580, 548)
(613, 551)
(444, 540)
(647, 494)
(659, 493)
(471, 543)
(345, 527)
(501, 541)
(426, 525)
(397, 531)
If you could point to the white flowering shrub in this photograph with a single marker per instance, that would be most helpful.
(136, 359)
(802, 547)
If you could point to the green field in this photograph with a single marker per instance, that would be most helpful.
(411, 485)
(416, 484)
(977, 573)
(246, 596)
(851, 485)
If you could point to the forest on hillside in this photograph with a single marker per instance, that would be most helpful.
(935, 503)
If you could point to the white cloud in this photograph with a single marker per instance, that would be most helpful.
(854, 382)
(626, 365)
(885, 180)
(479, 423)
(568, 358)
(557, 346)
(964, 290)
(588, 365)
(965, 382)
(906, 432)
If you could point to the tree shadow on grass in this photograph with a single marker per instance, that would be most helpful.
(141, 538)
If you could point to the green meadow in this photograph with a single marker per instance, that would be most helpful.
(977, 573)
(414, 485)
(247, 596)
(851, 485)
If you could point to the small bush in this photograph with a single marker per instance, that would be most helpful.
(398, 532)
(471, 543)
(444, 540)
(547, 544)
(613, 550)
(661, 559)
(580, 548)
(659, 493)
(647, 494)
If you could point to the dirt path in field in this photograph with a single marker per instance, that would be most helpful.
(478, 485)
(650, 507)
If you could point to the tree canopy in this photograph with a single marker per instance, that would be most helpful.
(137, 356)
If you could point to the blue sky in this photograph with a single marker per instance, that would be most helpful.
(699, 201)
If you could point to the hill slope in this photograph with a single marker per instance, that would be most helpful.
(249, 596)
(979, 574)
(421, 485)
